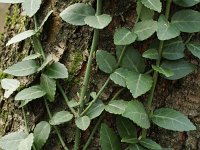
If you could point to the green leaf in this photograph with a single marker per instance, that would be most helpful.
(98, 21)
(96, 109)
(194, 48)
(172, 120)
(31, 6)
(27, 143)
(116, 106)
(144, 12)
(153, 4)
(32, 92)
(47, 60)
(187, 20)
(145, 29)
(83, 122)
(11, 1)
(125, 128)
(181, 68)
(136, 112)
(173, 49)
(132, 59)
(151, 54)
(12, 140)
(166, 72)
(119, 76)
(129, 140)
(106, 61)
(124, 37)
(108, 138)
(56, 71)
(9, 85)
(45, 19)
(49, 86)
(24, 103)
(76, 13)
(73, 103)
(61, 117)
(41, 134)
(186, 3)
(31, 57)
(166, 30)
(148, 143)
(136, 147)
(20, 37)
(23, 68)
(138, 83)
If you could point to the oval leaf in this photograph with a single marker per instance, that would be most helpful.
(31, 6)
(83, 122)
(172, 120)
(27, 143)
(151, 54)
(148, 143)
(135, 111)
(23, 68)
(194, 48)
(96, 109)
(106, 61)
(119, 76)
(41, 134)
(116, 106)
(76, 13)
(20, 37)
(187, 20)
(124, 37)
(166, 72)
(98, 22)
(61, 117)
(138, 83)
(186, 3)
(108, 138)
(31, 57)
(153, 4)
(33, 92)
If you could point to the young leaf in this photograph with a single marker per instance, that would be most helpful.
(166, 72)
(96, 109)
(49, 86)
(61, 117)
(173, 49)
(76, 13)
(31, 6)
(187, 20)
(136, 112)
(83, 122)
(24, 103)
(32, 92)
(108, 138)
(126, 128)
(166, 30)
(151, 54)
(153, 4)
(27, 143)
(31, 57)
(20, 37)
(181, 68)
(145, 29)
(9, 85)
(132, 59)
(12, 140)
(148, 143)
(136, 147)
(23, 68)
(186, 3)
(119, 76)
(45, 19)
(98, 22)
(171, 119)
(138, 83)
(11, 1)
(73, 103)
(56, 71)
(46, 62)
(116, 106)
(124, 37)
(106, 61)
(194, 48)
(41, 134)
(129, 140)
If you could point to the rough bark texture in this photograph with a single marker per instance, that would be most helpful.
(71, 46)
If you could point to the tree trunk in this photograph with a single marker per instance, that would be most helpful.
(71, 46)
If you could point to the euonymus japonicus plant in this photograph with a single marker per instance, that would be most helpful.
(127, 69)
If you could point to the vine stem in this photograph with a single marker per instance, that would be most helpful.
(155, 75)
(87, 74)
